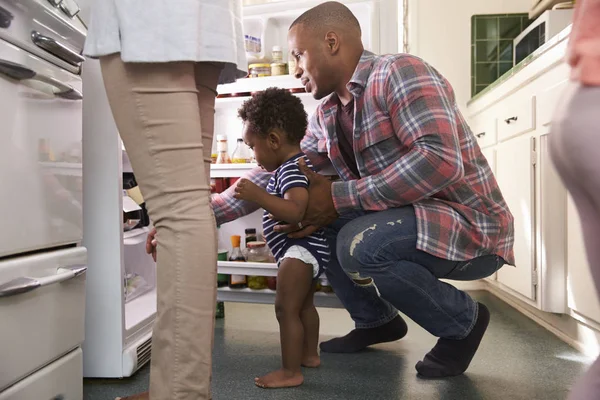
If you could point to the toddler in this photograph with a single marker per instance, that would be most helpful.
(274, 125)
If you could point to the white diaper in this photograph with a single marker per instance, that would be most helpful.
(300, 253)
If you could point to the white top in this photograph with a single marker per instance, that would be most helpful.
(163, 31)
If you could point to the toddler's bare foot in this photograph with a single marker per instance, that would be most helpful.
(280, 379)
(311, 361)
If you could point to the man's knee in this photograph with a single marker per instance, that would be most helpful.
(357, 244)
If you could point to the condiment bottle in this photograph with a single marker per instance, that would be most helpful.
(237, 281)
(241, 154)
(222, 157)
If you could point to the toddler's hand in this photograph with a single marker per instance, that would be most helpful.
(247, 190)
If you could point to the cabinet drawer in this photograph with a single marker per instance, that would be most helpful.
(516, 117)
(63, 379)
(484, 129)
(43, 297)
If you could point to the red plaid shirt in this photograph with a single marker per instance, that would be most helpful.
(412, 146)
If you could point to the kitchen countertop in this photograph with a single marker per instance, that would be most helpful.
(563, 35)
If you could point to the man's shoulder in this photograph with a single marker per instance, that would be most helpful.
(388, 64)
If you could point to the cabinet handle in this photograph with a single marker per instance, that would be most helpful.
(5, 18)
(510, 120)
(26, 284)
(58, 49)
(480, 135)
(20, 72)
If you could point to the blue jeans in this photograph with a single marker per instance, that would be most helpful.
(376, 270)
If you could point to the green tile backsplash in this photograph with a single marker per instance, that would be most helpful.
(492, 46)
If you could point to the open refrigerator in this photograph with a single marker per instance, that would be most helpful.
(267, 22)
(119, 321)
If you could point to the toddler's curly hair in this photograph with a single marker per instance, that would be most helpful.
(275, 108)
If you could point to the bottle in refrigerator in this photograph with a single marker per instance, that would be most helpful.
(242, 153)
(237, 281)
(222, 279)
(220, 311)
(222, 156)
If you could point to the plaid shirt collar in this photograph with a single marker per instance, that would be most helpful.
(357, 83)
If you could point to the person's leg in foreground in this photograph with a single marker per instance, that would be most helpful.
(156, 108)
(294, 293)
(378, 252)
(575, 147)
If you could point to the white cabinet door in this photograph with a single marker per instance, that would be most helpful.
(490, 155)
(580, 285)
(515, 175)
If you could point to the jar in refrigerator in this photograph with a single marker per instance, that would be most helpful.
(259, 70)
(277, 54)
(292, 66)
(223, 156)
(257, 252)
(242, 153)
(278, 69)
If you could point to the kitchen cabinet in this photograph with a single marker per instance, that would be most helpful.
(516, 178)
(512, 120)
(583, 297)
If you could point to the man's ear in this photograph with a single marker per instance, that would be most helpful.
(274, 140)
(333, 42)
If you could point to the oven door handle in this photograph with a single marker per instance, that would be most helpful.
(25, 284)
(20, 73)
(58, 49)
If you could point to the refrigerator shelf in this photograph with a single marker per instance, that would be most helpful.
(250, 85)
(246, 268)
(230, 170)
(267, 296)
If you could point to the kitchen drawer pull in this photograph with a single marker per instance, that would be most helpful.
(510, 120)
(20, 73)
(25, 284)
(59, 50)
(480, 135)
(5, 18)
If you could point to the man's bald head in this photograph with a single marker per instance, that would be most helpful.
(329, 16)
(326, 43)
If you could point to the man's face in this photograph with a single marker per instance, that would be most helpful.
(312, 61)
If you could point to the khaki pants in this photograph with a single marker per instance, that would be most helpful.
(165, 116)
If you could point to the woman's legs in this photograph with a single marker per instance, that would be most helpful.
(156, 108)
(575, 146)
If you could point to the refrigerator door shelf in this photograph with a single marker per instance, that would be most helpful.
(46, 322)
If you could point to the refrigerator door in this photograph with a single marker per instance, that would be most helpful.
(40, 153)
(42, 309)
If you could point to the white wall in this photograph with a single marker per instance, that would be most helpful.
(440, 33)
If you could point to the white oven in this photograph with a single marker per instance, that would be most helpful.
(42, 263)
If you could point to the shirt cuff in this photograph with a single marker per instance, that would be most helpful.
(345, 196)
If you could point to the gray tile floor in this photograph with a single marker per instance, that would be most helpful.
(517, 359)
